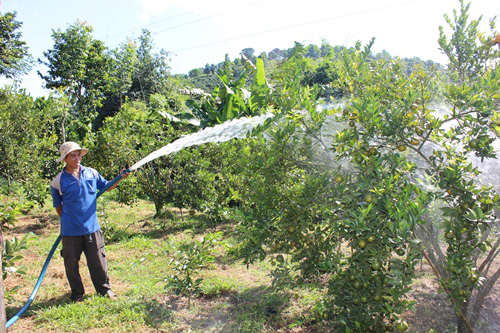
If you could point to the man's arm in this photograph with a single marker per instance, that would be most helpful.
(124, 175)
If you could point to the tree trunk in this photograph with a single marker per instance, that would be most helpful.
(483, 291)
(63, 130)
(462, 326)
(3, 319)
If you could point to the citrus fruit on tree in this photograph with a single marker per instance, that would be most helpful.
(362, 243)
(414, 141)
(376, 264)
(474, 144)
(401, 147)
(401, 325)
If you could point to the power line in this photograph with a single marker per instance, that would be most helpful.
(208, 17)
(191, 22)
(153, 23)
(187, 23)
(297, 25)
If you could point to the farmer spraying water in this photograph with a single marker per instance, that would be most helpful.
(75, 182)
(74, 193)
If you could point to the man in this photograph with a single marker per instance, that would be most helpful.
(74, 193)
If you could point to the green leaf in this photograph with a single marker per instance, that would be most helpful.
(260, 76)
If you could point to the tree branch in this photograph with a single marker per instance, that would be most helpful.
(481, 296)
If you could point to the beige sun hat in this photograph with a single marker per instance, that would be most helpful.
(68, 147)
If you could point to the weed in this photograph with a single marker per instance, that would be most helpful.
(188, 259)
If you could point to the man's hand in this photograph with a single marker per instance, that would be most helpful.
(125, 173)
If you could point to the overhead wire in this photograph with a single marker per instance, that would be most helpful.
(256, 33)
(152, 23)
(190, 22)
(208, 17)
(297, 25)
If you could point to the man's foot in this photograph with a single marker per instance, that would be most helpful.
(111, 295)
(77, 298)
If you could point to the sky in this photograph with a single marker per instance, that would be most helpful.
(200, 32)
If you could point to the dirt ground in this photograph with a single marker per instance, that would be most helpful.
(433, 310)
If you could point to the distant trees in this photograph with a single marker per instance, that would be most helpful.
(98, 80)
(79, 67)
(125, 60)
(319, 70)
(14, 57)
(151, 71)
(313, 51)
(275, 54)
(249, 53)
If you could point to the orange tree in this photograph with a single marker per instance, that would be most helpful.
(348, 215)
(406, 152)
(467, 134)
(356, 216)
(385, 116)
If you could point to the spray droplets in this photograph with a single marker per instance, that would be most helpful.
(232, 129)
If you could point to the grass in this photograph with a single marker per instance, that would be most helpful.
(234, 298)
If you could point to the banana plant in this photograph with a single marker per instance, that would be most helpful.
(231, 99)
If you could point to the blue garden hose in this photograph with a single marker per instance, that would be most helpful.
(49, 257)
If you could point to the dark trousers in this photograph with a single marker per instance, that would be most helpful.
(93, 247)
